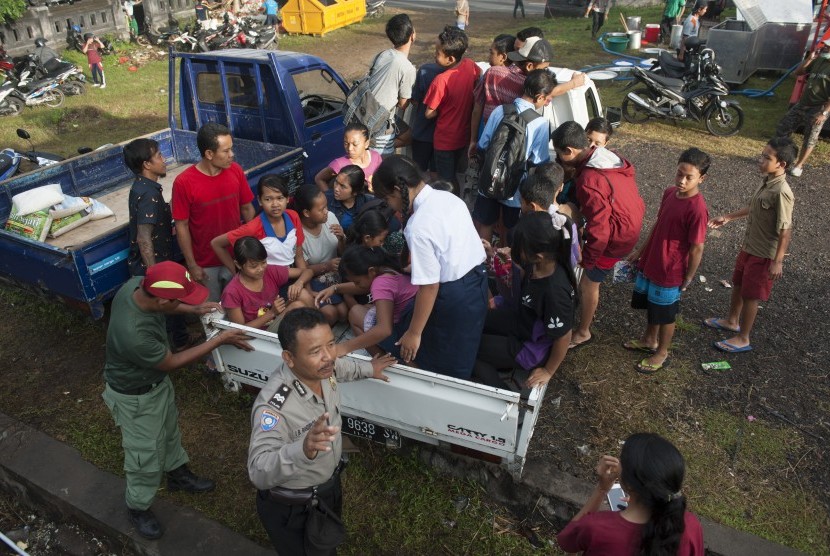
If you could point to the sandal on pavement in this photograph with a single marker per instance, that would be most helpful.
(577, 345)
(723, 345)
(647, 368)
(715, 325)
(637, 345)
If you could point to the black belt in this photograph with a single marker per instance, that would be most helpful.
(134, 391)
(302, 496)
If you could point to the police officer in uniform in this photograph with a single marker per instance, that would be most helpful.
(138, 390)
(295, 440)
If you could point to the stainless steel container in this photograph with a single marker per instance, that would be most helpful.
(634, 39)
(633, 23)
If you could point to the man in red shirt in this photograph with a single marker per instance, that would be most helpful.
(450, 99)
(210, 198)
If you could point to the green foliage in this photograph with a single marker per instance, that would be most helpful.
(11, 10)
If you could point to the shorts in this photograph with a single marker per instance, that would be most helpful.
(385, 144)
(449, 163)
(398, 329)
(662, 304)
(597, 274)
(272, 19)
(751, 274)
(319, 283)
(423, 155)
(217, 278)
(487, 212)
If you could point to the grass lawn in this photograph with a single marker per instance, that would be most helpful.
(394, 503)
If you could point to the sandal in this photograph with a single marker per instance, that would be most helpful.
(637, 345)
(647, 368)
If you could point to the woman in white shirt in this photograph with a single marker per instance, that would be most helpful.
(447, 261)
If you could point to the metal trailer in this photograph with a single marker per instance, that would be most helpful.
(425, 406)
(772, 36)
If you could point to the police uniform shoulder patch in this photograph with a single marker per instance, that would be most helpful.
(269, 420)
(298, 386)
(279, 397)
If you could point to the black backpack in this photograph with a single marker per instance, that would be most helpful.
(505, 160)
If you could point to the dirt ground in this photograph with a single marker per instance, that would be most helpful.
(784, 381)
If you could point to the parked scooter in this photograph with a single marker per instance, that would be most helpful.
(10, 102)
(674, 99)
(375, 8)
(29, 68)
(10, 159)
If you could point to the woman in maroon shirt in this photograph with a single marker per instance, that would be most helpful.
(655, 521)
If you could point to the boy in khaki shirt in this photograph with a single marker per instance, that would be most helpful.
(768, 233)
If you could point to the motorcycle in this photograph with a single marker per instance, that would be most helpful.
(29, 68)
(676, 99)
(10, 102)
(45, 91)
(10, 159)
(75, 39)
(375, 8)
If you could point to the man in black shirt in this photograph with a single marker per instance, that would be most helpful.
(151, 223)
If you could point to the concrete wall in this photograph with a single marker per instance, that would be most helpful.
(102, 17)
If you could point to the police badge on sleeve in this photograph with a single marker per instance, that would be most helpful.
(268, 420)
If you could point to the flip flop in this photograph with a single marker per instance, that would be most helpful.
(637, 345)
(715, 325)
(723, 345)
(647, 368)
(574, 345)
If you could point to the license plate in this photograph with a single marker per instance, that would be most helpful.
(376, 433)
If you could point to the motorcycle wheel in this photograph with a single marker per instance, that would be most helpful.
(56, 98)
(633, 112)
(724, 121)
(73, 88)
(11, 106)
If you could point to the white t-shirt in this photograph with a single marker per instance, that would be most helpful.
(442, 240)
(321, 248)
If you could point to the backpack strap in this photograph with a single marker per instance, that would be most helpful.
(529, 115)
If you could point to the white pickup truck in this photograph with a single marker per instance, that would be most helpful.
(422, 405)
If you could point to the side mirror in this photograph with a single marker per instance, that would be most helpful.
(23, 134)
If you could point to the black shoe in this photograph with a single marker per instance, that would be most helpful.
(145, 523)
(183, 478)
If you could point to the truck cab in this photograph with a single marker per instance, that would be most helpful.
(284, 98)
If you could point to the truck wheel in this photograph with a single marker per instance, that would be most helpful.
(724, 121)
(11, 106)
(55, 98)
(633, 112)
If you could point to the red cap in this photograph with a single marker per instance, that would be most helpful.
(169, 280)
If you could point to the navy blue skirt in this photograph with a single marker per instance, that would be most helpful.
(450, 339)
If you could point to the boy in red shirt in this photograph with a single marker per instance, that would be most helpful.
(669, 258)
(450, 99)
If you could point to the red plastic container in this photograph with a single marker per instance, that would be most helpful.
(652, 33)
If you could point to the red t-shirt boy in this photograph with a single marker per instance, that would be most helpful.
(450, 99)
(669, 258)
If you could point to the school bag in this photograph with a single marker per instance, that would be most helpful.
(363, 107)
(505, 161)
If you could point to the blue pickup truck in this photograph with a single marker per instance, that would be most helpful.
(284, 109)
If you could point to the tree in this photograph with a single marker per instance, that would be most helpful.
(11, 10)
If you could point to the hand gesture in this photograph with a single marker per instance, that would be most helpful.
(539, 377)
(320, 437)
(488, 249)
(409, 342)
(608, 471)
(294, 290)
(198, 274)
(278, 306)
(323, 297)
(379, 363)
(717, 222)
(205, 308)
(235, 337)
(337, 230)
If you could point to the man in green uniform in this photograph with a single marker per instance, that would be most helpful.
(813, 107)
(672, 15)
(138, 390)
(295, 439)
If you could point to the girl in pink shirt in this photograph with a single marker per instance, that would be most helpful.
(356, 144)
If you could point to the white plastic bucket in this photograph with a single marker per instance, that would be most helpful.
(676, 36)
(634, 39)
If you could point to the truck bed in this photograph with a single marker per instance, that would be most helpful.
(118, 201)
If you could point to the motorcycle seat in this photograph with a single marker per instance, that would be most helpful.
(669, 61)
(668, 82)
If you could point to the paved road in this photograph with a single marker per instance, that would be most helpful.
(531, 8)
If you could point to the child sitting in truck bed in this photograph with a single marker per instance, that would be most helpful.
(356, 143)
(348, 195)
(252, 297)
(278, 228)
(324, 239)
(535, 331)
